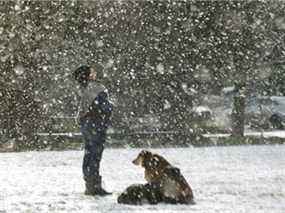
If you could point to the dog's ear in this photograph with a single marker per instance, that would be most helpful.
(145, 153)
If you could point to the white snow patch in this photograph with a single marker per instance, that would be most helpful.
(99, 43)
(167, 104)
(19, 69)
(224, 179)
(160, 68)
(110, 63)
(17, 7)
(227, 90)
(201, 109)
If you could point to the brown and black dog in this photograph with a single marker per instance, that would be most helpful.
(159, 173)
(165, 183)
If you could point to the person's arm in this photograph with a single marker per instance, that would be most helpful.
(103, 103)
(78, 110)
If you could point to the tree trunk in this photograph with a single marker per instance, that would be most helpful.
(238, 116)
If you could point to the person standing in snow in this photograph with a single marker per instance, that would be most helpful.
(94, 118)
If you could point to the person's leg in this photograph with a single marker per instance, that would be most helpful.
(94, 146)
(92, 156)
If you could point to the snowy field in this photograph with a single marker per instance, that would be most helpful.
(224, 179)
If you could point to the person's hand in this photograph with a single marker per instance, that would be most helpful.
(81, 116)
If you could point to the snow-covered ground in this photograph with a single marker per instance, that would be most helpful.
(224, 179)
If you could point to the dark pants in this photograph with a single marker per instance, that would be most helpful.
(94, 146)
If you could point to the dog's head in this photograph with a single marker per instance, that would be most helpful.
(149, 160)
(142, 158)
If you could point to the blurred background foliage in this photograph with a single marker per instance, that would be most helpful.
(159, 57)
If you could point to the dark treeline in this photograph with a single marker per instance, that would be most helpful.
(159, 57)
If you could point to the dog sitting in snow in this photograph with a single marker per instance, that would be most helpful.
(165, 183)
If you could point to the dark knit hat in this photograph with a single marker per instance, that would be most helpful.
(81, 74)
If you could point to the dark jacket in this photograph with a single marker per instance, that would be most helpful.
(95, 106)
(100, 111)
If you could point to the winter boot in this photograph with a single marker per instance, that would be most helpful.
(94, 187)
